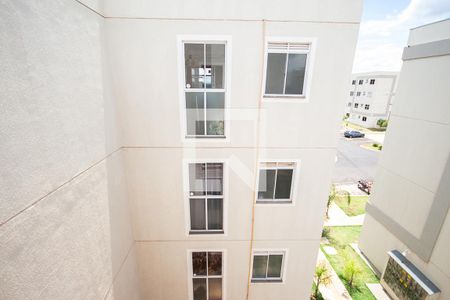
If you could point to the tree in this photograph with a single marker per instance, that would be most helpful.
(322, 276)
(334, 194)
(351, 270)
(382, 123)
(347, 196)
(331, 197)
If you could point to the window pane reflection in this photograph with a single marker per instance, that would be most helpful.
(194, 65)
(215, 288)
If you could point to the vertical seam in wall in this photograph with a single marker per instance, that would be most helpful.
(57, 188)
(255, 187)
(129, 202)
(119, 270)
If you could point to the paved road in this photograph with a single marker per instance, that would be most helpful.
(353, 162)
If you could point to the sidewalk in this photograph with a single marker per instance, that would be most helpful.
(376, 137)
(337, 217)
(336, 290)
(352, 188)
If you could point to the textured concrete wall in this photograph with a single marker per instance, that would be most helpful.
(286, 10)
(64, 220)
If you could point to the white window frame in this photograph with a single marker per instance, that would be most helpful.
(190, 270)
(186, 189)
(294, 185)
(280, 98)
(203, 39)
(282, 278)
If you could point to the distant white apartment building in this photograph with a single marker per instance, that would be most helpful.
(406, 232)
(163, 150)
(370, 97)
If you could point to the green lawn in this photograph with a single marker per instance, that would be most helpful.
(357, 204)
(372, 147)
(340, 238)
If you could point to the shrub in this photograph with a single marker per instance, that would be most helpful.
(380, 147)
(326, 232)
(322, 277)
(382, 123)
(375, 145)
(351, 271)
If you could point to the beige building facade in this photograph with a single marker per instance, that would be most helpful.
(168, 151)
(407, 226)
(370, 98)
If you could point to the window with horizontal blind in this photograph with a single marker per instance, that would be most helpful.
(205, 88)
(286, 68)
(275, 183)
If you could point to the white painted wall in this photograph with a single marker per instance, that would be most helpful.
(284, 10)
(426, 33)
(378, 96)
(412, 165)
(64, 219)
(143, 55)
(376, 251)
(92, 123)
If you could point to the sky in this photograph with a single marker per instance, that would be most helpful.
(385, 27)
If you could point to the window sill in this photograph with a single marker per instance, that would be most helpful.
(273, 202)
(192, 137)
(285, 98)
(267, 280)
(195, 232)
(288, 96)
